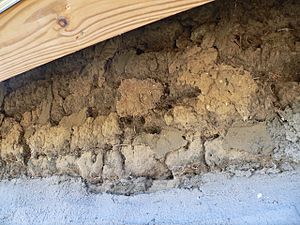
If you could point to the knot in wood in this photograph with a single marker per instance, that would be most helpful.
(62, 21)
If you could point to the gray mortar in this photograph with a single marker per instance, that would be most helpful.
(218, 200)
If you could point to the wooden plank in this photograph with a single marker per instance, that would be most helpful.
(6, 4)
(35, 32)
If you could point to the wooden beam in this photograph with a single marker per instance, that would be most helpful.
(35, 32)
(6, 4)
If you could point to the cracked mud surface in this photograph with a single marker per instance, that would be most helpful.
(212, 89)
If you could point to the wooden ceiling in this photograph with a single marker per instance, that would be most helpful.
(34, 32)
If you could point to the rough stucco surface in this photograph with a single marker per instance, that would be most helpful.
(260, 199)
(213, 89)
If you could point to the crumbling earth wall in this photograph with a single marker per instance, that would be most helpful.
(212, 89)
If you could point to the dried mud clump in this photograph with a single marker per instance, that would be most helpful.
(212, 89)
(138, 97)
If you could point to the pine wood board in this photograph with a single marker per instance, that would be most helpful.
(35, 32)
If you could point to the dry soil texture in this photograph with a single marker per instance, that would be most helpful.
(212, 89)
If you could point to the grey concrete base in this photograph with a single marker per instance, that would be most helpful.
(260, 199)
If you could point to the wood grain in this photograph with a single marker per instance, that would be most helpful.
(35, 32)
(6, 4)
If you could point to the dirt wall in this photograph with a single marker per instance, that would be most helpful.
(212, 89)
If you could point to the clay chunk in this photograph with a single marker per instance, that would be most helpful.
(138, 96)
